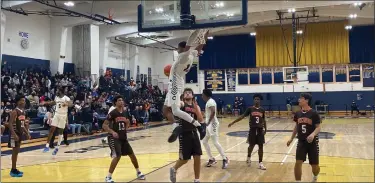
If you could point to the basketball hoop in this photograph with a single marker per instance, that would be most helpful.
(110, 13)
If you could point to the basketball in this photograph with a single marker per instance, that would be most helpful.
(167, 69)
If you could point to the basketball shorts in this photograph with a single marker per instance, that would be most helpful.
(212, 129)
(119, 147)
(256, 136)
(13, 143)
(190, 145)
(59, 121)
(311, 149)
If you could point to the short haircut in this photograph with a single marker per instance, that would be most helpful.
(182, 44)
(307, 96)
(258, 95)
(188, 89)
(19, 97)
(207, 92)
(115, 99)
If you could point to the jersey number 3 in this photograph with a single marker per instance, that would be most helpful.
(256, 119)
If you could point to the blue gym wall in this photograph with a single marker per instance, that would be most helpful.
(337, 100)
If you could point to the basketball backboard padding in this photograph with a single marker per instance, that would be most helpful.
(235, 14)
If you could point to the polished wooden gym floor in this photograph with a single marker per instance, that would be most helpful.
(346, 155)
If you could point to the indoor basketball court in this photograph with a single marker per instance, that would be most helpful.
(346, 154)
(346, 143)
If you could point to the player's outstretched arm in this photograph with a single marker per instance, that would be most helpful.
(246, 113)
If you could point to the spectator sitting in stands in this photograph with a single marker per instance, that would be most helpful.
(142, 115)
(87, 118)
(47, 119)
(42, 110)
(72, 123)
(136, 114)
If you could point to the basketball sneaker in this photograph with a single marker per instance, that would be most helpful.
(211, 162)
(55, 151)
(15, 173)
(46, 149)
(172, 175)
(140, 176)
(196, 181)
(261, 166)
(176, 132)
(225, 163)
(109, 179)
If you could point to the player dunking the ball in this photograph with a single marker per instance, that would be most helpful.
(62, 103)
(308, 128)
(17, 128)
(212, 129)
(190, 144)
(258, 129)
(116, 124)
(179, 69)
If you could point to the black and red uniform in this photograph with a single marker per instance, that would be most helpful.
(18, 124)
(117, 122)
(306, 124)
(256, 124)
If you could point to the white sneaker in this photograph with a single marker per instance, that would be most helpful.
(109, 179)
(140, 176)
(315, 178)
(261, 166)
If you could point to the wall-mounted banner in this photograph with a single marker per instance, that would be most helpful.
(214, 75)
(368, 75)
(215, 85)
(231, 79)
(149, 78)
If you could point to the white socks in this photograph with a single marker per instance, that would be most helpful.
(60, 140)
(47, 145)
(109, 174)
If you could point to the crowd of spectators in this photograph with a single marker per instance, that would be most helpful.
(91, 100)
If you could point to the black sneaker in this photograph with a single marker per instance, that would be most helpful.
(66, 143)
(225, 163)
(211, 162)
(176, 132)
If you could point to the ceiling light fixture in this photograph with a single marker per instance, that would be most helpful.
(253, 34)
(291, 10)
(159, 10)
(69, 3)
(210, 37)
(348, 27)
(299, 32)
(353, 16)
(357, 4)
(219, 4)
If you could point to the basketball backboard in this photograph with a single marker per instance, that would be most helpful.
(300, 73)
(155, 15)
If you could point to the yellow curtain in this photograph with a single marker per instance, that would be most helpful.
(325, 43)
(271, 49)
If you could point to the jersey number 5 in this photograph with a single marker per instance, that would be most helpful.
(303, 128)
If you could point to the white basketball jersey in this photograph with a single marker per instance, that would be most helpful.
(61, 110)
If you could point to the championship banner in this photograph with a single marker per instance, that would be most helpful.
(231, 79)
(215, 85)
(368, 75)
(214, 80)
(214, 75)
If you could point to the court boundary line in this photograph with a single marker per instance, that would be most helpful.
(72, 141)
